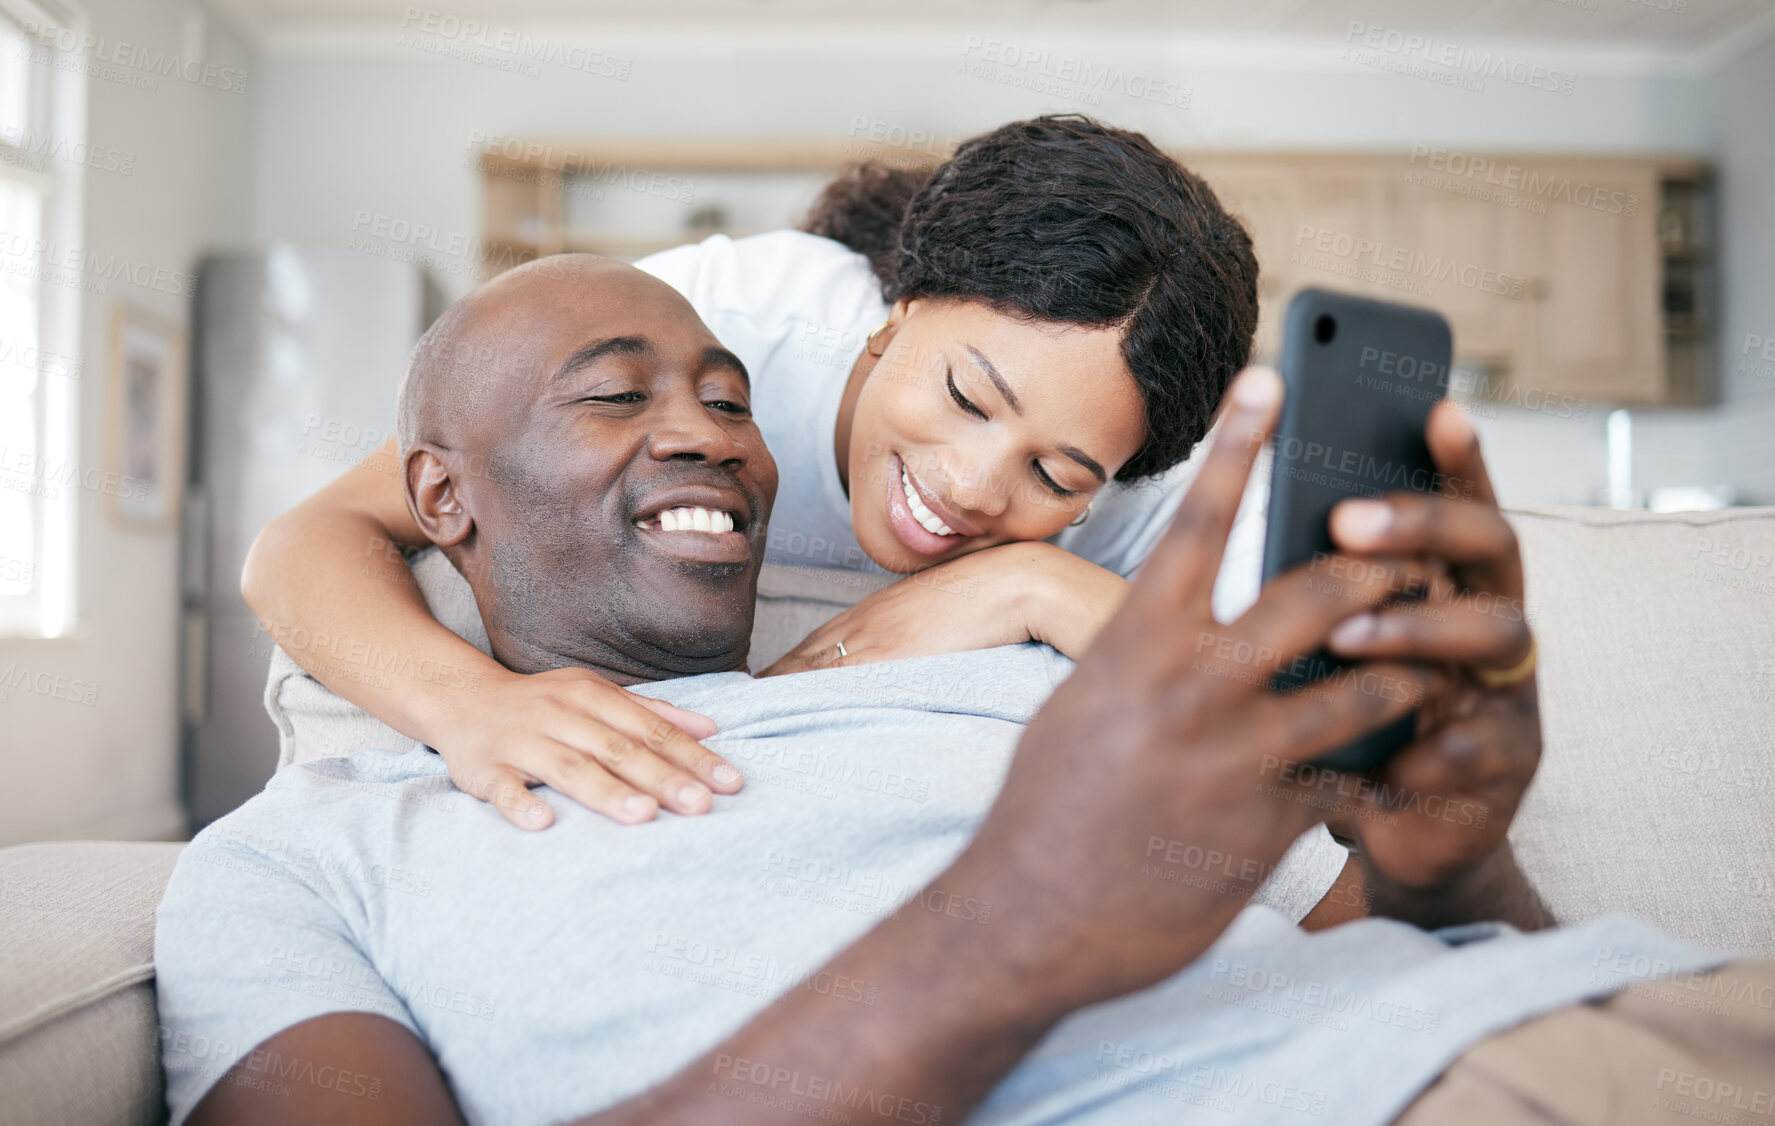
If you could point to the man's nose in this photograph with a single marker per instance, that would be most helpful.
(690, 431)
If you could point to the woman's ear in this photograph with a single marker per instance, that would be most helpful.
(434, 497)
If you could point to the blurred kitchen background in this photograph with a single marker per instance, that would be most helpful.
(222, 225)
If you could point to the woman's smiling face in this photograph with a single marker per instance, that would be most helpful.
(976, 428)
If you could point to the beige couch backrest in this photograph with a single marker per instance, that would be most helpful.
(1656, 794)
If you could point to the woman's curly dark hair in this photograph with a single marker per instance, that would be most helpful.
(1067, 220)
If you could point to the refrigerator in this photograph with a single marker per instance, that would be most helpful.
(296, 360)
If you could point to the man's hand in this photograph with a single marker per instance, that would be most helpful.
(1163, 746)
(1431, 829)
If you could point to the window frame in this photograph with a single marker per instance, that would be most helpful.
(57, 109)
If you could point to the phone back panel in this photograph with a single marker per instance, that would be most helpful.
(1361, 378)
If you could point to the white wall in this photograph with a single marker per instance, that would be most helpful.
(110, 770)
(393, 124)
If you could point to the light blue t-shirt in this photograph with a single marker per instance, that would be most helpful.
(797, 308)
(555, 973)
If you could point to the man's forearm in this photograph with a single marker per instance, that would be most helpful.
(955, 1004)
(1494, 890)
(966, 979)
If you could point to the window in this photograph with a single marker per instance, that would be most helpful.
(41, 130)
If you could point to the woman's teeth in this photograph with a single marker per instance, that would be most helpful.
(692, 520)
(925, 517)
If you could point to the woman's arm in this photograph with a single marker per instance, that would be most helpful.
(329, 584)
(336, 559)
(1000, 596)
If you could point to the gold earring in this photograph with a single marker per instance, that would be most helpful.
(1083, 516)
(869, 341)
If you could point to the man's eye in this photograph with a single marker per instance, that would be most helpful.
(624, 398)
(960, 400)
(1053, 484)
(730, 407)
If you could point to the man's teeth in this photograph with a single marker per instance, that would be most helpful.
(692, 520)
(925, 517)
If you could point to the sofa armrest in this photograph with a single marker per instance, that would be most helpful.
(79, 1037)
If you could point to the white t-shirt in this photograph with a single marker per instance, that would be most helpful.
(797, 308)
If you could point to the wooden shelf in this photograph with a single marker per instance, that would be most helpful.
(1555, 293)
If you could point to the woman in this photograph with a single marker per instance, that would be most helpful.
(948, 369)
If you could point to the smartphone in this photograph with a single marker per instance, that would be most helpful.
(1360, 376)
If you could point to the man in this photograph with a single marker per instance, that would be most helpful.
(363, 943)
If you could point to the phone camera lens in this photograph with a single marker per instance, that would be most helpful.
(1324, 329)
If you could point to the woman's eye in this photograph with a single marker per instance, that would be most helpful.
(730, 407)
(1052, 484)
(960, 400)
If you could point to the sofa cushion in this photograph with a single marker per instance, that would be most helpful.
(1656, 793)
(78, 1029)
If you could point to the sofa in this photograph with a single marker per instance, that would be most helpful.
(1656, 793)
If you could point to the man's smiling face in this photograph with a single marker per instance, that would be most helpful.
(620, 519)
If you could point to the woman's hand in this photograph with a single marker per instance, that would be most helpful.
(999, 596)
(612, 751)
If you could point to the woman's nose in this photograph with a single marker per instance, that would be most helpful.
(978, 491)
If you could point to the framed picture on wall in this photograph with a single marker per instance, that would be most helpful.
(145, 431)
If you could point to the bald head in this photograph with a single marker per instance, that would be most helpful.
(469, 354)
(546, 422)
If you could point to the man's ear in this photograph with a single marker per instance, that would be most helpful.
(433, 495)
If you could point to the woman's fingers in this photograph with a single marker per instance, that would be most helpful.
(716, 771)
(1187, 560)
(589, 780)
(509, 792)
(694, 724)
(607, 746)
